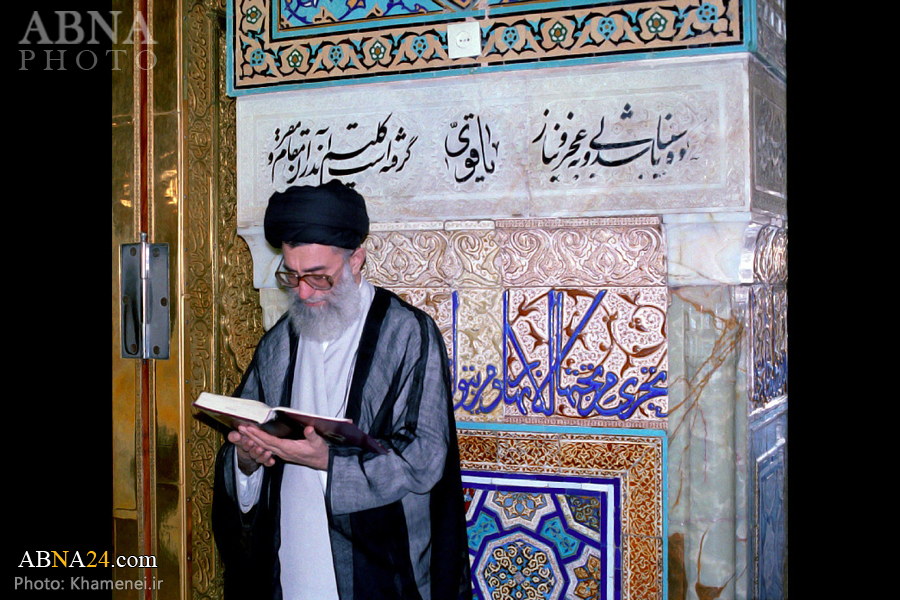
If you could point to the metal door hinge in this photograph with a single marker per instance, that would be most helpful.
(144, 287)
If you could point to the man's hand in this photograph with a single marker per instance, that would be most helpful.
(261, 448)
(250, 455)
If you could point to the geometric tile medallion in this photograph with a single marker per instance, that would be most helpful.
(546, 321)
(541, 537)
(561, 514)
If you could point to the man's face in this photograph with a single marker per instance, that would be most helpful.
(316, 259)
(323, 315)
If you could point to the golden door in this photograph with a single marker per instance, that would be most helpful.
(174, 185)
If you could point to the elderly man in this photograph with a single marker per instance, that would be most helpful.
(302, 519)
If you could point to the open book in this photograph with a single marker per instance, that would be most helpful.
(284, 422)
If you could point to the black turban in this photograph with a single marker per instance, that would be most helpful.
(331, 214)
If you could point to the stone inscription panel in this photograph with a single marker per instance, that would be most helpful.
(670, 136)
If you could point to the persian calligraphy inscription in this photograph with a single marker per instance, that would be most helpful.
(584, 141)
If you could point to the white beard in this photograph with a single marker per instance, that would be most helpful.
(327, 322)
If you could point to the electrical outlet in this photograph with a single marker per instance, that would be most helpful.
(463, 39)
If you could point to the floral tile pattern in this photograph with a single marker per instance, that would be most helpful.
(277, 43)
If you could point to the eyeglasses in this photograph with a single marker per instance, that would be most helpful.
(316, 281)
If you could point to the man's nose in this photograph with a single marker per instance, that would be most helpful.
(305, 290)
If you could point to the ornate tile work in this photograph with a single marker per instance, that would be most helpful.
(768, 445)
(556, 514)
(771, 26)
(548, 321)
(588, 252)
(768, 124)
(768, 318)
(581, 353)
(292, 42)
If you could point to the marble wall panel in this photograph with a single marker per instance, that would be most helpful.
(710, 466)
(581, 252)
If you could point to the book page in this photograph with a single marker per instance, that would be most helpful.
(251, 410)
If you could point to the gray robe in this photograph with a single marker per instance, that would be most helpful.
(396, 521)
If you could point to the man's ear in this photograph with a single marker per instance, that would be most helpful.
(357, 259)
